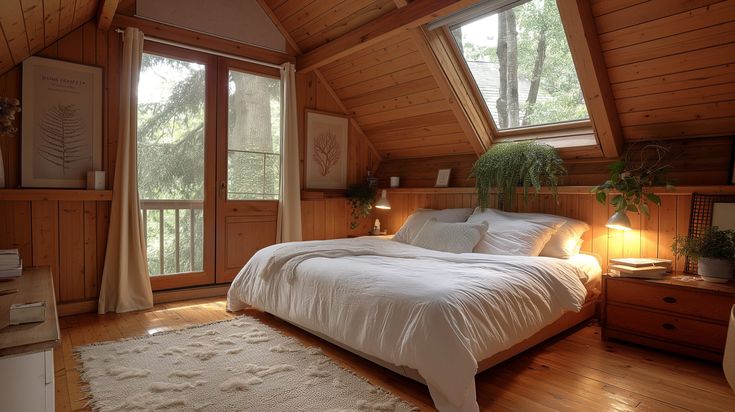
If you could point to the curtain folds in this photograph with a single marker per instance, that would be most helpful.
(125, 280)
(289, 208)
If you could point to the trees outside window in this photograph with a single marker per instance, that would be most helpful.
(520, 61)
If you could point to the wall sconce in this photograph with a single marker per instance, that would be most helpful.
(619, 221)
(383, 202)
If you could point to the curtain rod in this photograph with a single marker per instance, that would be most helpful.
(203, 50)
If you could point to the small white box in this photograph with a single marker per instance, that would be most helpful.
(95, 180)
(27, 312)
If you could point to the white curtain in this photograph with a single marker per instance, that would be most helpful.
(125, 282)
(289, 208)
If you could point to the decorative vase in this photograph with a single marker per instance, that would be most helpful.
(714, 270)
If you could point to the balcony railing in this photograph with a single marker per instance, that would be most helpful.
(156, 210)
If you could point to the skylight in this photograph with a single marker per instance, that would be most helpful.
(521, 64)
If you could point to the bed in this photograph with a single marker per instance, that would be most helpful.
(436, 317)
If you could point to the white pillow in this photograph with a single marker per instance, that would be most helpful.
(416, 221)
(564, 243)
(450, 237)
(513, 236)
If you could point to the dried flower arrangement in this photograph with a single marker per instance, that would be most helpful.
(8, 108)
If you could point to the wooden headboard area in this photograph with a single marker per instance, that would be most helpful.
(649, 237)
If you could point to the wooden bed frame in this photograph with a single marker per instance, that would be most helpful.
(565, 322)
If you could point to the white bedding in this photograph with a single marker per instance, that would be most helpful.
(436, 312)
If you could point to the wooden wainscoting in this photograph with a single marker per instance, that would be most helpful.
(329, 218)
(64, 229)
(649, 237)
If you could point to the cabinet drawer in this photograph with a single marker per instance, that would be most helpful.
(671, 299)
(667, 326)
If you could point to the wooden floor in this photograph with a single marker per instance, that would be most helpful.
(575, 372)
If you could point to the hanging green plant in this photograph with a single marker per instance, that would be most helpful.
(505, 166)
(361, 197)
(630, 176)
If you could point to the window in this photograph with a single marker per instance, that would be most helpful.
(253, 137)
(171, 176)
(520, 61)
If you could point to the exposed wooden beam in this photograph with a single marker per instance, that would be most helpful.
(452, 82)
(105, 13)
(579, 25)
(405, 18)
(281, 28)
(353, 122)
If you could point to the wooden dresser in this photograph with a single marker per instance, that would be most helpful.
(27, 351)
(687, 317)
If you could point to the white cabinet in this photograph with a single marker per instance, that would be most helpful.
(27, 382)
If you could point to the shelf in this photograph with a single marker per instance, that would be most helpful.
(55, 194)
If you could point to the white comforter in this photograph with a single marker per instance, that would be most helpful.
(436, 312)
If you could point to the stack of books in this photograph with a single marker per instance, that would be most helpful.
(11, 265)
(647, 268)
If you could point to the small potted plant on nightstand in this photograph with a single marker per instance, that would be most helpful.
(714, 251)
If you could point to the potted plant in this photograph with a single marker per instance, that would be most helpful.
(505, 166)
(714, 251)
(629, 179)
(361, 197)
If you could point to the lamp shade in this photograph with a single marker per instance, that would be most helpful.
(619, 221)
(383, 202)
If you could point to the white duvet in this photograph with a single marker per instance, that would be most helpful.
(436, 312)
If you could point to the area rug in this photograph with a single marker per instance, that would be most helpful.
(234, 365)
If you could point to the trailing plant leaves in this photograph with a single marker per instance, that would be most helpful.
(505, 166)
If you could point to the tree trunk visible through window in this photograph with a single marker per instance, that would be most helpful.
(250, 114)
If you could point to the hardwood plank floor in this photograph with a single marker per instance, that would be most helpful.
(574, 372)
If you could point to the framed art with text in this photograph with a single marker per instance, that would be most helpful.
(62, 123)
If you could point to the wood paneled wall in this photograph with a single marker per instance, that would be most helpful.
(670, 65)
(649, 237)
(703, 161)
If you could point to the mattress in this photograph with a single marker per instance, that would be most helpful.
(438, 313)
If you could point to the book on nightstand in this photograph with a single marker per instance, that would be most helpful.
(646, 268)
(11, 265)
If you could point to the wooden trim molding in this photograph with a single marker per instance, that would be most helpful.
(582, 190)
(579, 25)
(413, 15)
(444, 68)
(55, 194)
(201, 40)
(105, 14)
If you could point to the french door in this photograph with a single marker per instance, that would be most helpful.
(248, 163)
(208, 164)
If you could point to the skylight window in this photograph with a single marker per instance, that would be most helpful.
(521, 64)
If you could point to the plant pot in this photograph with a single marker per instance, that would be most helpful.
(714, 270)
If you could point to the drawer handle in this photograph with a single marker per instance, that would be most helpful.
(670, 299)
(668, 326)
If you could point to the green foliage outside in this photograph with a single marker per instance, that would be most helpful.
(171, 152)
(531, 49)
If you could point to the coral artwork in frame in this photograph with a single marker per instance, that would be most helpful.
(62, 123)
(326, 150)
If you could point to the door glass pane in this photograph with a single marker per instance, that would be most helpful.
(253, 137)
(171, 96)
(522, 66)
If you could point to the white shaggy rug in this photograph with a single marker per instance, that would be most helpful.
(234, 365)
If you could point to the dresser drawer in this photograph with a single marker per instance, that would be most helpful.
(670, 299)
(667, 326)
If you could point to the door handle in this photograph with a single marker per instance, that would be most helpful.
(223, 189)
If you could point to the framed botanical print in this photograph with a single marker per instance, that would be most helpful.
(326, 150)
(62, 123)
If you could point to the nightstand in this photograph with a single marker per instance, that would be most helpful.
(686, 317)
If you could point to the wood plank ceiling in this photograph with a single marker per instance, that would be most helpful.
(387, 88)
(30, 25)
(671, 65)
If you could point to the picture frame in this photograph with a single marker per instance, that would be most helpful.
(62, 123)
(325, 159)
(442, 178)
